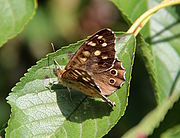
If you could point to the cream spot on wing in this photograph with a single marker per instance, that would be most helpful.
(109, 30)
(92, 84)
(83, 59)
(97, 53)
(104, 57)
(91, 43)
(88, 78)
(76, 77)
(99, 37)
(85, 79)
(104, 44)
(75, 74)
(78, 72)
(86, 53)
(83, 73)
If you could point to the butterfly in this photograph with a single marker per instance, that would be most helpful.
(94, 69)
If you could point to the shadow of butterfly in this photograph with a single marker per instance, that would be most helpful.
(94, 69)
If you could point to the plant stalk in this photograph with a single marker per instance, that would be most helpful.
(144, 18)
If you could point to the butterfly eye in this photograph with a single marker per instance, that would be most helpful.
(114, 72)
(112, 81)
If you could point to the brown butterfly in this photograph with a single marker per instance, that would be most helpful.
(94, 69)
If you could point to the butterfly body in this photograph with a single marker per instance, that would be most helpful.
(94, 69)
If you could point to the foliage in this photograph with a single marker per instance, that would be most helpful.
(14, 16)
(40, 109)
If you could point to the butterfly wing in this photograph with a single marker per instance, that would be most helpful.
(91, 69)
(110, 80)
(81, 81)
(96, 54)
(103, 83)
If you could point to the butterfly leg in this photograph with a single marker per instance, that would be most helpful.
(49, 87)
(50, 84)
(108, 101)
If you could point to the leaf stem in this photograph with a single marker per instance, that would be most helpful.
(144, 18)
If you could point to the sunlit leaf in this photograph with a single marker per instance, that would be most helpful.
(39, 111)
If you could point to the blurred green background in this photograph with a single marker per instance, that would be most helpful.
(63, 22)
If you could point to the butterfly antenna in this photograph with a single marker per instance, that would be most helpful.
(55, 61)
(53, 47)
(48, 60)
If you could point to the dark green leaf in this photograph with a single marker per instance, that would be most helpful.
(153, 119)
(172, 132)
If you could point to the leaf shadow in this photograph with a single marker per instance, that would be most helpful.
(79, 107)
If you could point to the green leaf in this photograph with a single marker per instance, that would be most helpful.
(132, 11)
(41, 112)
(14, 15)
(165, 51)
(153, 119)
(172, 132)
(162, 55)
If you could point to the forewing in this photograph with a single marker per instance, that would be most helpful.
(96, 54)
